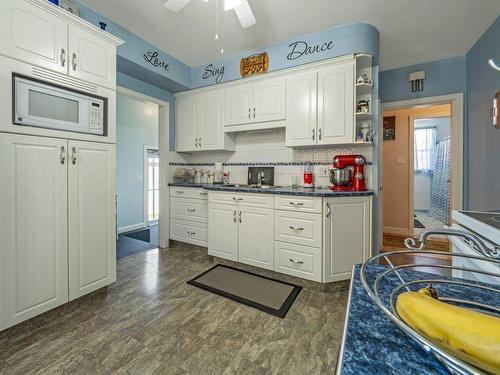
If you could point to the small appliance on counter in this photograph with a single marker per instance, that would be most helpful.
(308, 175)
(261, 176)
(348, 172)
(183, 175)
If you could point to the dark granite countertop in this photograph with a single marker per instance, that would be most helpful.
(315, 192)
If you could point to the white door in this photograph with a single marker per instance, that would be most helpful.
(301, 109)
(91, 197)
(33, 226)
(91, 58)
(269, 100)
(256, 237)
(210, 129)
(238, 105)
(32, 35)
(347, 235)
(223, 231)
(186, 123)
(336, 105)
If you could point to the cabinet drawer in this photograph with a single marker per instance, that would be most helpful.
(189, 209)
(187, 192)
(298, 227)
(249, 200)
(298, 203)
(297, 260)
(190, 232)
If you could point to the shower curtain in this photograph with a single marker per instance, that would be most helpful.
(440, 186)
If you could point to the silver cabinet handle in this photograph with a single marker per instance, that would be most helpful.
(296, 228)
(191, 210)
(296, 261)
(253, 112)
(298, 204)
(74, 61)
(234, 216)
(62, 155)
(203, 193)
(237, 199)
(328, 210)
(179, 191)
(196, 142)
(249, 113)
(73, 155)
(239, 216)
(191, 233)
(319, 134)
(199, 142)
(63, 57)
(314, 134)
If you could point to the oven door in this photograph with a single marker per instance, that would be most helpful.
(42, 105)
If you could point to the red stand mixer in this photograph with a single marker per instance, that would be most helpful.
(348, 172)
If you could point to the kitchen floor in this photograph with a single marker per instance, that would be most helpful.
(427, 221)
(151, 322)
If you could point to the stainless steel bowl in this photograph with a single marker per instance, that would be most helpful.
(340, 177)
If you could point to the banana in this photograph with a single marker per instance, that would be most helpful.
(471, 336)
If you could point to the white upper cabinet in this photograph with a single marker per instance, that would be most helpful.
(33, 226)
(262, 101)
(91, 197)
(91, 58)
(29, 34)
(210, 133)
(238, 105)
(336, 105)
(301, 109)
(186, 113)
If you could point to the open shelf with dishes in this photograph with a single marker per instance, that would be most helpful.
(363, 94)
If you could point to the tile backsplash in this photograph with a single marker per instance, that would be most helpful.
(268, 148)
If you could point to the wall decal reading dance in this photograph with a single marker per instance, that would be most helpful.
(301, 48)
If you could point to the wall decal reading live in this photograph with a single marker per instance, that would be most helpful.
(212, 71)
(301, 48)
(152, 58)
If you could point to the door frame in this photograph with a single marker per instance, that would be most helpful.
(457, 152)
(163, 148)
(146, 179)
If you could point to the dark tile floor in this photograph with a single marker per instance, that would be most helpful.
(151, 322)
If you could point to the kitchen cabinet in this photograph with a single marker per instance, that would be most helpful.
(297, 260)
(92, 239)
(199, 123)
(33, 226)
(256, 237)
(47, 36)
(262, 101)
(223, 231)
(347, 235)
(189, 215)
(91, 58)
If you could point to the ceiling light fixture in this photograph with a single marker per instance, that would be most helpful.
(493, 64)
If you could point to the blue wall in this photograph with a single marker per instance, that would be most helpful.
(136, 127)
(483, 139)
(442, 77)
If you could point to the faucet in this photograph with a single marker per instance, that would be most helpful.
(260, 178)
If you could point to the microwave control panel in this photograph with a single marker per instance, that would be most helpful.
(96, 121)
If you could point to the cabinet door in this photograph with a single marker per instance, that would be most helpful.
(210, 129)
(33, 227)
(347, 235)
(91, 197)
(269, 100)
(301, 109)
(256, 237)
(238, 105)
(91, 58)
(336, 105)
(33, 35)
(223, 231)
(186, 123)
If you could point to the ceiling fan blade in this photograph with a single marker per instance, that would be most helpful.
(245, 14)
(175, 5)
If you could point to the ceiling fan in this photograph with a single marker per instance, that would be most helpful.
(241, 8)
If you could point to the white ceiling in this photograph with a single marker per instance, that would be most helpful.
(411, 31)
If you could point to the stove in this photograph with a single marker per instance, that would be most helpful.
(488, 218)
(486, 224)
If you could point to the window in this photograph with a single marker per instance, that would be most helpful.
(424, 150)
(153, 188)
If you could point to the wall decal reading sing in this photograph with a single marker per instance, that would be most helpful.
(211, 71)
(301, 48)
(152, 58)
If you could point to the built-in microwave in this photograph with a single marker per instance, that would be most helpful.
(41, 104)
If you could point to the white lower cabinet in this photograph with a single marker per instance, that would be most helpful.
(297, 260)
(255, 237)
(347, 235)
(54, 214)
(223, 231)
(189, 215)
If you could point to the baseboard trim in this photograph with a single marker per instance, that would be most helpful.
(395, 230)
(130, 228)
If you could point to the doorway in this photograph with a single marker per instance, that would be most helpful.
(421, 157)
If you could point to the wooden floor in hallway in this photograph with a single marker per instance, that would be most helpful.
(151, 322)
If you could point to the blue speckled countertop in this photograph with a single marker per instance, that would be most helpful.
(315, 192)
